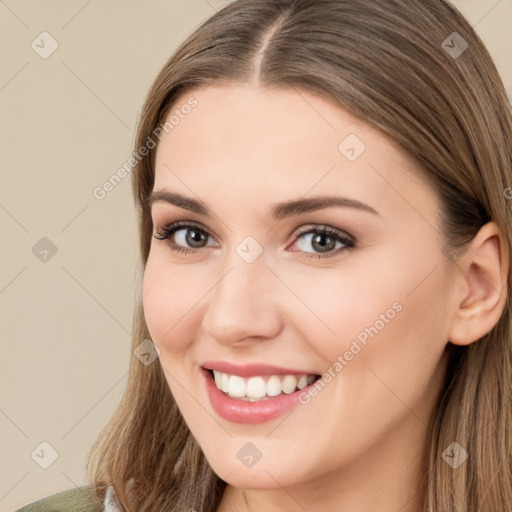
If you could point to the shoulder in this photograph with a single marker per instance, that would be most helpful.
(80, 499)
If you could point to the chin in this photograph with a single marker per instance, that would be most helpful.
(253, 479)
(270, 474)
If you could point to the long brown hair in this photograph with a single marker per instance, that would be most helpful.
(403, 67)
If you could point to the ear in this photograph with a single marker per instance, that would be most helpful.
(481, 298)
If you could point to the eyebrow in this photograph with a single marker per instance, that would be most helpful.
(278, 211)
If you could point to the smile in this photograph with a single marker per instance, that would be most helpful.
(253, 393)
(259, 388)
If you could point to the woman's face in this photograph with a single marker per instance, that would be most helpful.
(366, 304)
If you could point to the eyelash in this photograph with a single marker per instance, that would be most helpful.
(166, 232)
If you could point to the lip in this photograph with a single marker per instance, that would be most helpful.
(252, 370)
(240, 411)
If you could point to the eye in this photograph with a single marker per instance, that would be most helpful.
(184, 237)
(325, 242)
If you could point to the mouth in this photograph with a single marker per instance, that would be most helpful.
(259, 388)
(262, 394)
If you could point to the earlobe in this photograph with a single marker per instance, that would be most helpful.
(482, 272)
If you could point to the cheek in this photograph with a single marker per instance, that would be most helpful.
(170, 295)
(391, 335)
(337, 305)
(387, 312)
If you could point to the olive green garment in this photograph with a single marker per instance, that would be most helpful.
(74, 500)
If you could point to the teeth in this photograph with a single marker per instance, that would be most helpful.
(255, 389)
(302, 382)
(237, 386)
(274, 386)
(218, 379)
(224, 379)
(289, 384)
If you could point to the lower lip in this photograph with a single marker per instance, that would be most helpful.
(241, 411)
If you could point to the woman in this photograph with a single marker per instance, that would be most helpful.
(324, 323)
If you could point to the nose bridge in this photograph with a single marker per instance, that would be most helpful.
(246, 272)
(242, 284)
(243, 302)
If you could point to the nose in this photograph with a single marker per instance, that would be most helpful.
(244, 304)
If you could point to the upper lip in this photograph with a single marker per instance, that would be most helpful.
(252, 369)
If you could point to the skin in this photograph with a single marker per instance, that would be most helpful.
(357, 445)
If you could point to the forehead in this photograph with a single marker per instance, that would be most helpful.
(265, 143)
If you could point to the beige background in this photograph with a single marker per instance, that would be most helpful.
(67, 124)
